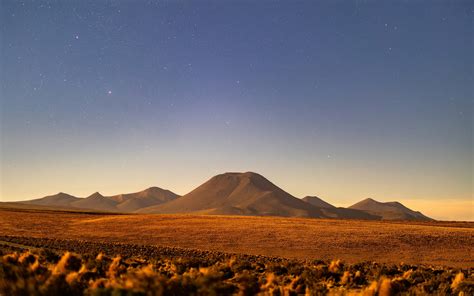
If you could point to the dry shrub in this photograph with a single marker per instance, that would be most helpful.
(457, 280)
(27, 258)
(115, 268)
(346, 278)
(68, 262)
(10, 258)
(335, 266)
(32, 274)
(385, 288)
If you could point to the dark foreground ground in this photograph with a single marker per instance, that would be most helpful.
(41, 266)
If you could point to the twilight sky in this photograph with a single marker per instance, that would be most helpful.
(344, 100)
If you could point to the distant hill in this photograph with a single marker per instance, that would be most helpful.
(96, 201)
(238, 194)
(344, 213)
(316, 201)
(331, 211)
(229, 194)
(151, 196)
(118, 203)
(389, 210)
(58, 200)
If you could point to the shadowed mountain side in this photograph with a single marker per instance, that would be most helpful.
(317, 202)
(389, 210)
(238, 193)
(331, 211)
(343, 213)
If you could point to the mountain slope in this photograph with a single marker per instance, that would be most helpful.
(118, 203)
(389, 210)
(96, 201)
(331, 211)
(230, 194)
(344, 213)
(317, 202)
(152, 196)
(238, 194)
(58, 200)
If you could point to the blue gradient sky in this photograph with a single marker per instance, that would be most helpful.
(345, 100)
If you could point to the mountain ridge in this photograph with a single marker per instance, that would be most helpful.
(316, 201)
(128, 202)
(245, 193)
(392, 210)
(231, 193)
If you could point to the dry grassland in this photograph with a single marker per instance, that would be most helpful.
(433, 243)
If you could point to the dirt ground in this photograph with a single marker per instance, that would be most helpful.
(432, 243)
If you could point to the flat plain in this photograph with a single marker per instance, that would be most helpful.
(430, 243)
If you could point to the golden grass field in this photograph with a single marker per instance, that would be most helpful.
(432, 243)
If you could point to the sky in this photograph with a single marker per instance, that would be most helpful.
(340, 99)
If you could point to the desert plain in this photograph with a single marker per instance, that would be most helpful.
(434, 243)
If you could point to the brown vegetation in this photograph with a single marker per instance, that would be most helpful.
(162, 271)
(436, 243)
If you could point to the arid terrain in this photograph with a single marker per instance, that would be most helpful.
(431, 243)
(58, 252)
(147, 270)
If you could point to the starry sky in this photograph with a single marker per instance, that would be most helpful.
(341, 99)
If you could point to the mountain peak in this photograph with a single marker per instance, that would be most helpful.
(316, 201)
(59, 200)
(246, 193)
(393, 210)
(154, 189)
(95, 195)
(63, 194)
(239, 175)
(369, 199)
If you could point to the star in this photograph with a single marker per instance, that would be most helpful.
(109, 92)
(77, 36)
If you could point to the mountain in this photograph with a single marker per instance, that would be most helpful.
(316, 201)
(152, 196)
(344, 213)
(96, 201)
(58, 200)
(238, 194)
(389, 210)
(331, 211)
(118, 203)
(229, 194)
